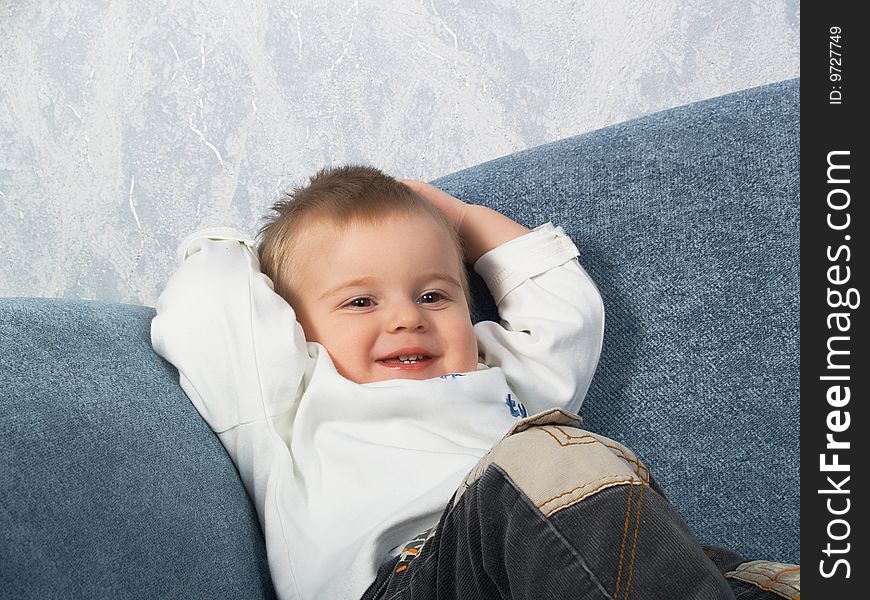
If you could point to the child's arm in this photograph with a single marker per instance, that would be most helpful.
(241, 357)
(552, 317)
(231, 338)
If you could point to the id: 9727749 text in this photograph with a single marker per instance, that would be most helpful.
(835, 65)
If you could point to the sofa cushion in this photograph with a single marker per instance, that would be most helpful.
(111, 485)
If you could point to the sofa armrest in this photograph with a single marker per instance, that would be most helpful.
(111, 485)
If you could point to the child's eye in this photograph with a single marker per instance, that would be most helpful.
(431, 297)
(360, 303)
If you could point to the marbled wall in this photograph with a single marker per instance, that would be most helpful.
(125, 125)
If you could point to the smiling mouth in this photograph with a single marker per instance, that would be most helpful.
(405, 359)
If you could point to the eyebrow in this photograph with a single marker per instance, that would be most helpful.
(349, 284)
(442, 277)
(363, 281)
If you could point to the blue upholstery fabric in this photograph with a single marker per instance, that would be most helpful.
(112, 486)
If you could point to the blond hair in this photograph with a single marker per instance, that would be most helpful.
(340, 196)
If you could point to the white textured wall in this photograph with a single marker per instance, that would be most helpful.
(125, 125)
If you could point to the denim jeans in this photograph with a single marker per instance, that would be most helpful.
(554, 511)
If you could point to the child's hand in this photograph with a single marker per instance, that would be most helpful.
(453, 208)
(480, 227)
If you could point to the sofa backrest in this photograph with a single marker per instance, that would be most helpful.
(688, 221)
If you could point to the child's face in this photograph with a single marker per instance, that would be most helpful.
(385, 300)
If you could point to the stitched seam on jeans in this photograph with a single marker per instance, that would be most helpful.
(607, 480)
(622, 544)
(752, 574)
(634, 541)
(591, 439)
(767, 585)
(775, 579)
(639, 467)
(746, 570)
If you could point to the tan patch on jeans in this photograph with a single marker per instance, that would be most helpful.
(556, 464)
(780, 578)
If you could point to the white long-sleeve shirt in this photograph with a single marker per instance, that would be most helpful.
(341, 473)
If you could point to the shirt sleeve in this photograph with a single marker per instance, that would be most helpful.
(242, 360)
(239, 351)
(552, 319)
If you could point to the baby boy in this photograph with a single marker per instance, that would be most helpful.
(340, 368)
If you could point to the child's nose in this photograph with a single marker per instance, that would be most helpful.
(407, 317)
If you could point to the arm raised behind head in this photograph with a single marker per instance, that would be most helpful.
(480, 227)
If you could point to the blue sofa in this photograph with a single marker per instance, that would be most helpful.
(112, 486)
